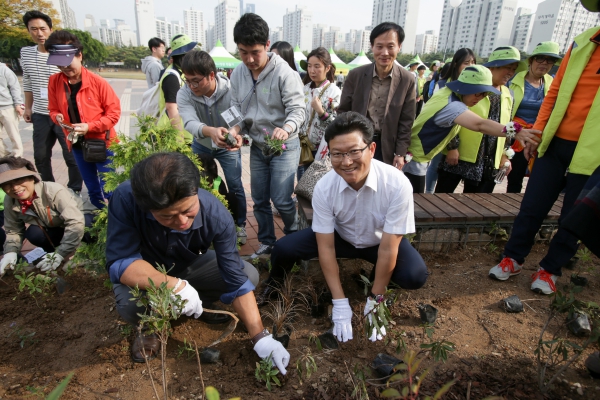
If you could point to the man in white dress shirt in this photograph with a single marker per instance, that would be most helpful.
(362, 209)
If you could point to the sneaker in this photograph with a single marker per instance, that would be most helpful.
(275, 211)
(507, 268)
(242, 236)
(543, 282)
(263, 249)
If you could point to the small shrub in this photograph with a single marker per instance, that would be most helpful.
(266, 372)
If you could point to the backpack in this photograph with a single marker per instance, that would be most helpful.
(150, 98)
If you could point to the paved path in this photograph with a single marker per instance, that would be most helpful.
(130, 92)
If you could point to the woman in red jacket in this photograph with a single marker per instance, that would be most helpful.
(85, 105)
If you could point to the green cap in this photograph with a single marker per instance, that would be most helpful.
(591, 5)
(550, 49)
(181, 44)
(448, 60)
(473, 79)
(503, 56)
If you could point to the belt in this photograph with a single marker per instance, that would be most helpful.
(376, 135)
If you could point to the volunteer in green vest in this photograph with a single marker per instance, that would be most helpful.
(170, 83)
(446, 113)
(530, 88)
(420, 84)
(479, 157)
(568, 154)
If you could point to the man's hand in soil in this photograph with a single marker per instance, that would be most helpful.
(193, 305)
(342, 319)
(268, 346)
(50, 262)
(8, 261)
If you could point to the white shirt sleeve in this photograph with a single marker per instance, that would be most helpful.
(400, 217)
(323, 217)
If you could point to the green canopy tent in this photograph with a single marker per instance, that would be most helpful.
(361, 59)
(222, 58)
(340, 66)
(298, 56)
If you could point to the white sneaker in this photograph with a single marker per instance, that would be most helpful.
(275, 211)
(263, 249)
(543, 282)
(242, 236)
(507, 268)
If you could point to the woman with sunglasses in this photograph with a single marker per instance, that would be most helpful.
(446, 113)
(530, 88)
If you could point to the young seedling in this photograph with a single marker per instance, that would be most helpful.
(186, 349)
(400, 343)
(312, 338)
(359, 380)
(439, 348)
(34, 283)
(306, 366)
(266, 372)
(23, 337)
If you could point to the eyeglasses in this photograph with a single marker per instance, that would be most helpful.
(194, 84)
(352, 154)
(543, 59)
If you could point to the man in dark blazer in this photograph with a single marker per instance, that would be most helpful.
(385, 93)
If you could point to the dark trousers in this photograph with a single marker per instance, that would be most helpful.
(204, 276)
(548, 179)
(448, 181)
(92, 177)
(378, 152)
(514, 180)
(417, 182)
(45, 135)
(2, 232)
(36, 236)
(410, 272)
(419, 107)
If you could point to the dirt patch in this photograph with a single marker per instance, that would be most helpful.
(80, 331)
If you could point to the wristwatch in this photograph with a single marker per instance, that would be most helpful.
(288, 130)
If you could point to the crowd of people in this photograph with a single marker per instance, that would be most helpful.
(387, 132)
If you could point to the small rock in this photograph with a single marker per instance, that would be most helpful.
(497, 354)
(295, 386)
(299, 391)
(580, 391)
(314, 385)
(324, 379)
(333, 371)
(577, 385)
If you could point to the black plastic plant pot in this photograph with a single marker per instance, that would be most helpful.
(328, 341)
(283, 339)
(592, 363)
(579, 324)
(317, 310)
(384, 364)
(572, 263)
(428, 313)
(209, 356)
(513, 304)
(579, 280)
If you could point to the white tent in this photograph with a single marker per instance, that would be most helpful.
(222, 58)
(298, 56)
(360, 59)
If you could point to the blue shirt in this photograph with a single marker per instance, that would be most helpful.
(134, 234)
(532, 101)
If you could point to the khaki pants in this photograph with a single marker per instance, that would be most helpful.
(9, 120)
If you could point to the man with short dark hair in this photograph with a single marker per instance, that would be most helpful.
(363, 208)
(201, 102)
(152, 64)
(384, 92)
(161, 218)
(36, 74)
(269, 95)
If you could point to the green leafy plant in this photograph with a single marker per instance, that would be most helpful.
(266, 372)
(584, 255)
(273, 147)
(213, 394)
(312, 338)
(359, 382)
(35, 284)
(162, 307)
(401, 345)
(439, 348)
(306, 366)
(126, 330)
(24, 337)
(187, 349)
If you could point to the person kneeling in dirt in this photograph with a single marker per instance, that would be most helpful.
(161, 218)
(53, 213)
(362, 209)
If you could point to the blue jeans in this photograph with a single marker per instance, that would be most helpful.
(231, 162)
(549, 177)
(273, 178)
(91, 177)
(432, 174)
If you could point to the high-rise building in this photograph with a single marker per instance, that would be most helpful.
(333, 39)
(193, 22)
(241, 7)
(426, 43)
(227, 13)
(210, 37)
(65, 13)
(481, 25)
(144, 21)
(120, 36)
(356, 41)
(298, 28)
(167, 30)
(318, 33)
(402, 12)
(560, 21)
(276, 34)
(250, 8)
(521, 31)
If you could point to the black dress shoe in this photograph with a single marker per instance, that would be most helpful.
(148, 344)
(267, 293)
(213, 318)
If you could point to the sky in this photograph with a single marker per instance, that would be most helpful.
(347, 14)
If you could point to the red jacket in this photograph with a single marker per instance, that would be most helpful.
(97, 102)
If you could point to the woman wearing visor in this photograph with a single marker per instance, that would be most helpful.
(446, 113)
(86, 106)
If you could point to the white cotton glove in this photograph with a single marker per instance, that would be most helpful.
(370, 305)
(8, 261)
(193, 306)
(342, 320)
(279, 355)
(50, 262)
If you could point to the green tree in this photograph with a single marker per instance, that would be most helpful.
(345, 55)
(404, 59)
(94, 51)
(130, 56)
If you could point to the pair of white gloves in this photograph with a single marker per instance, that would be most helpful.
(342, 320)
(265, 347)
(50, 262)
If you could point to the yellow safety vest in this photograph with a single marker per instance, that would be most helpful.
(517, 85)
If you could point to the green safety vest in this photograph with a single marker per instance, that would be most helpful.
(164, 120)
(428, 139)
(518, 87)
(471, 140)
(587, 153)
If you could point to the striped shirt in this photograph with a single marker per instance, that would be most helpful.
(36, 75)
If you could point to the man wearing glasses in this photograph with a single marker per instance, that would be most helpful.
(362, 209)
(200, 104)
